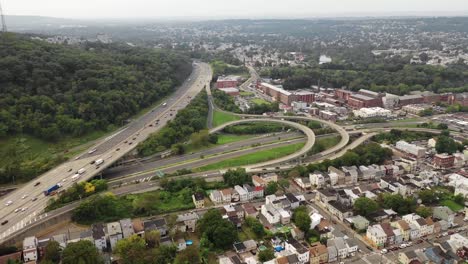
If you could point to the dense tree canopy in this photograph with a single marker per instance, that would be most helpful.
(81, 252)
(216, 232)
(49, 90)
(365, 206)
(236, 177)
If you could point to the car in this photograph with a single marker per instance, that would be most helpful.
(134, 138)
(8, 203)
(64, 180)
(24, 196)
(383, 251)
(17, 210)
(92, 151)
(70, 169)
(24, 209)
(5, 222)
(92, 162)
(126, 141)
(151, 125)
(34, 199)
(117, 149)
(37, 183)
(130, 143)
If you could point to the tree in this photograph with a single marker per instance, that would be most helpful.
(236, 177)
(266, 255)
(152, 238)
(80, 252)
(445, 144)
(301, 219)
(427, 196)
(284, 184)
(442, 126)
(215, 231)
(424, 211)
(256, 226)
(163, 254)
(190, 255)
(271, 188)
(52, 252)
(131, 250)
(365, 206)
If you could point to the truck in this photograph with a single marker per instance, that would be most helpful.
(75, 177)
(52, 189)
(81, 171)
(99, 162)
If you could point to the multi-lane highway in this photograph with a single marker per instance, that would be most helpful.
(29, 200)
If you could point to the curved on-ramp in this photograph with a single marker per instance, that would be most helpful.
(303, 151)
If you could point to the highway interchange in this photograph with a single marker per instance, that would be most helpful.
(29, 200)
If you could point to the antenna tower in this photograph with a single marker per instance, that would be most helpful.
(4, 27)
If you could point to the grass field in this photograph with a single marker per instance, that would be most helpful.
(452, 205)
(246, 93)
(259, 101)
(230, 138)
(322, 144)
(257, 157)
(220, 118)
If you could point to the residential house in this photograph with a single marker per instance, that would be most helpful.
(181, 244)
(339, 210)
(156, 224)
(138, 227)
(303, 183)
(443, 213)
(298, 248)
(352, 245)
(359, 222)
(270, 177)
(87, 235)
(127, 228)
(114, 230)
(351, 174)
(226, 195)
(390, 235)
(30, 249)
(404, 228)
(243, 194)
(340, 175)
(340, 245)
(258, 181)
(332, 254)
(249, 210)
(99, 236)
(318, 253)
(296, 233)
(407, 257)
(270, 213)
(187, 222)
(317, 179)
(216, 197)
(377, 235)
(325, 196)
(198, 200)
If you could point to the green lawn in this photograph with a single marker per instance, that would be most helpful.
(246, 93)
(230, 138)
(259, 101)
(253, 158)
(220, 118)
(325, 143)
(452, 205)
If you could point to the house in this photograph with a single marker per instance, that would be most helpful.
(198, 200)
(181, 244)
(296, 233)
(340, 175)
(352, 245)
(270, 213)
(226, 195)
(99, 236)
(317, 179)
(30, 249)
(156, 224)
(332, 254)
(293, 200)
(407, 257)
(340, 245)
(167, 241)
(270, 177)
(258, 181)
(249, 210)
(404, 228)
(302, 251)
(243, 194)
(339, 210)
(187, 222)
(138, 227)
(359, 222)
(115, 233)
(87, 235)
(390, 235)
(325, 196)
(443, 213)
(127, 228)
(318, 253)
(246, 246)
(351, 174)
(376, 235)
(255, 191)
(303, 183)
(216, 197)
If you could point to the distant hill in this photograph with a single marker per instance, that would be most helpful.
(26, 23)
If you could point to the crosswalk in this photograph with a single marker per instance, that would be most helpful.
(28, 220)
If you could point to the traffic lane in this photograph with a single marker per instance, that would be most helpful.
(134, 168)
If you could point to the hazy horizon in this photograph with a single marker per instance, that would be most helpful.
(240, 9)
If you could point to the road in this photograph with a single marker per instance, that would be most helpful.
(110, 150)
(244, 145)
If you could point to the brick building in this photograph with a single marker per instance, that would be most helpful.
(360, 101)
(443, 161)
(278, 94)
(304, 96)
(227, 81)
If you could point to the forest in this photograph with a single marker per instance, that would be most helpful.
(50, 91)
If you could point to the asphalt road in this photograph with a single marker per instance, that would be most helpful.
(141, 167)
(109, 149)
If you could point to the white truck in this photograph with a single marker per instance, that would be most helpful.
(99, 162)
(81, 171)
(75, 177)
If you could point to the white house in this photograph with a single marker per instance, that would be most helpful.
(302, 251)
(115, 233)
(30, 249)
(243, 194)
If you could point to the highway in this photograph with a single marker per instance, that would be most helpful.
(110, 150)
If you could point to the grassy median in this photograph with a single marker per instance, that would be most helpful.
(220, 118)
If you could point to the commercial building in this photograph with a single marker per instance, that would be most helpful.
(411, 149)
(415, 109)
(443, 160)
(410, 99)
(230, 90)
(372, 112)
(359, 101)
(227, 81)
(327, 115)
(304, 96)
(276, 93)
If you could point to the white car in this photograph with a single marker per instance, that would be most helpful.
(92, 151)
(23, 209)
(24, 196)
(383, 251)
(17, 210)
(8, 203)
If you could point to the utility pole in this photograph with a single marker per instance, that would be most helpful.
(4, 27)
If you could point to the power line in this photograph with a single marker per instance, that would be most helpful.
(4, 27)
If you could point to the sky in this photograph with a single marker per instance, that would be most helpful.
(216, 9)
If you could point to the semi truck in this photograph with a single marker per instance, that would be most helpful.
(81, 171)
(52, 189)
(99, 162)
(75, 177)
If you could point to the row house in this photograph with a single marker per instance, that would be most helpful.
(99, 236)
(326, 196)
(216, 197)
(303, 183)
(317, 179)
(198, 200)
(187, 222)
(300, 249)
(424, 227)
(443, 213)
(264, 179)
(275, 215)
(318, 253)
(376, 235)
(351, 174)
(156, 224)
(404, 229)
(339, 210)
(114, 230)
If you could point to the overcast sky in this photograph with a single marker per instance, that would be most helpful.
(230, 8)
